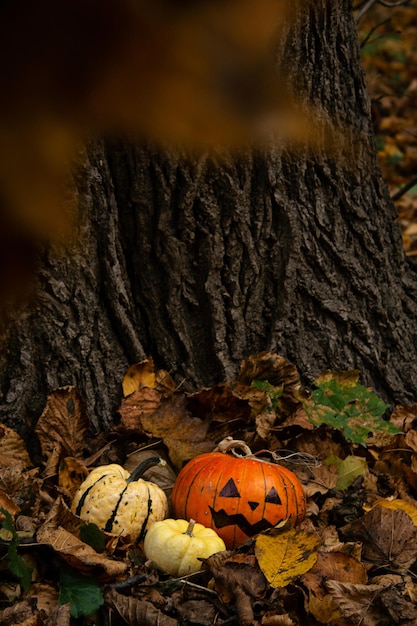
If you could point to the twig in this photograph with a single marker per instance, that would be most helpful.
(398, 194)
(368, 5)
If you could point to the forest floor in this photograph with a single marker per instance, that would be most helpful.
(389, 54)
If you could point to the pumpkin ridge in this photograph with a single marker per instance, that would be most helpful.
(85, 494)
(185, 506)
(109, 524)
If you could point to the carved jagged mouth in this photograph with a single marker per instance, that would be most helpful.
(222, 519)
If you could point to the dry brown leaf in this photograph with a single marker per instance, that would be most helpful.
(138, 612)
(72, 473)
(404, 417)
(219, 404)
(411, 439)
(278, 371)
(201, 612)
(60, 616)
(388, 537)
(238, 583)
(13, 451)
(77, 553)
(17, 613)
(137, 405)
(333, 566)
(325, 609)
(63, 424)
(358, 603)
(47, 596)
(6, 502)
(184, 436)
(318, 478)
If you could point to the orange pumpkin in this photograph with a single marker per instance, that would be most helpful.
(237, 496)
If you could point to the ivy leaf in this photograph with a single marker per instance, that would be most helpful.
(342, 403)
(81, 592)
(17, 565)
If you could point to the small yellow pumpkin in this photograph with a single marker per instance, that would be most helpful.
(121, 503)
(175, 545)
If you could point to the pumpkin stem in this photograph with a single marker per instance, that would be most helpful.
(190, 527)
(145, 465)
(228, 443)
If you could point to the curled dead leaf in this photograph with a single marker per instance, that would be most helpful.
(63, 424)
(137, 612)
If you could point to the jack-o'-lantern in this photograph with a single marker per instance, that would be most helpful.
(237, 496)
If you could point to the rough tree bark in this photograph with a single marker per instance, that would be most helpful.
(202, 263)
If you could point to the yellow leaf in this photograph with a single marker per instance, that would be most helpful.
(284, 556)
(139, 375)
(399, 505)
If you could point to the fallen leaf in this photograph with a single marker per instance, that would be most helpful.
(184, 436)
(348, 469)
(77, 553)
(63, 424)
(404, 417)
(334, 566)
(138, 404)
(279, 372)
(72, 472)
(139, 375)
(399, 505)
(358, 603)
(388, 537)
(283, 556)
(13, 451)
(342, 403)
(137, 612)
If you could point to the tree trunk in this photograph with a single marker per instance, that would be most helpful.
(202, 262)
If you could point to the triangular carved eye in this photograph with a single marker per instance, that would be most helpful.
(273, 497)
(253, 505)
(230, 490)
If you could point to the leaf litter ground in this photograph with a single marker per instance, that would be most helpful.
(389, 56)
(353, 560)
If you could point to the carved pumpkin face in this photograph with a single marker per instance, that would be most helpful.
(236, 496)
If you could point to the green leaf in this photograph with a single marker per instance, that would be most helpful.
(273, 392)
(81, 592)
(348, 469)
(18, 567)
(342, 403)
(93, 536)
